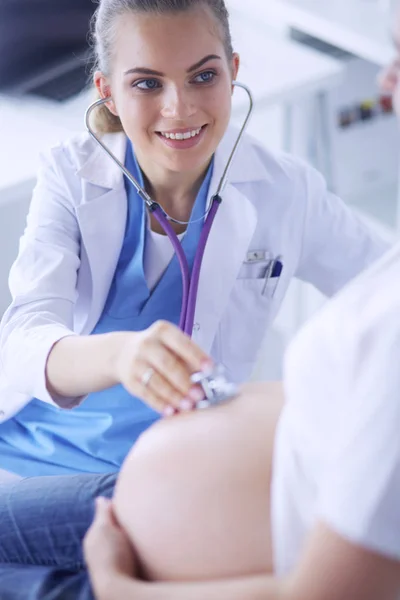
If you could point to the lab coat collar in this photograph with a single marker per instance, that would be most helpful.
(246, 166)
(101, 171)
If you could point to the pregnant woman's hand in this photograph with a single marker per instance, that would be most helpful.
(108, 552)
(156, 365)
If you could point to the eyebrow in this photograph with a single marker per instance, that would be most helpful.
(146, 71)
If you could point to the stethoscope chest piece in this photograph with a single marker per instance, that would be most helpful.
(216, 387)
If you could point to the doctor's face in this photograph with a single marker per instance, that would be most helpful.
(171, 85)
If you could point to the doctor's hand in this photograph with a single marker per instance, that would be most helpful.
(156, 365)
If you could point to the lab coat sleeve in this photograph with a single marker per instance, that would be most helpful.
(43, 285)
(337, 245)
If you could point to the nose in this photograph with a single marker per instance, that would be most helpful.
(178, 104)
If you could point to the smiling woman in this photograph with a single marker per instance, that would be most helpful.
(104, 28)
(176, 91)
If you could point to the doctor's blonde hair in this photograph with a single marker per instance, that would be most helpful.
(103, 35)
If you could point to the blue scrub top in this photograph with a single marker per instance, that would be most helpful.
(96, 436)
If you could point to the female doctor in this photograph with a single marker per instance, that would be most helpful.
(96, 289)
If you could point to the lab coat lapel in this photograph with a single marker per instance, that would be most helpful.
(227, 245)
(102, 220)
(102, 223)
(230, 236)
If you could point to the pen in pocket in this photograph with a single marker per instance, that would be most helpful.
(273, 271)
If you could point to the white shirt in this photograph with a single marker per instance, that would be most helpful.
(158, 254)
(337, 452)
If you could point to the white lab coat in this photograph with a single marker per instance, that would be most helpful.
(75, 230)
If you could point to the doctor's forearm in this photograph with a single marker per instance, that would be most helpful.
(80, 365)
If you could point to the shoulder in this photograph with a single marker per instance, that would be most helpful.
(277, 163)
(75, 152)
(255, 162)
(78, 167)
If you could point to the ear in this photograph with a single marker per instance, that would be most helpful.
(235, 66)
(104, 90)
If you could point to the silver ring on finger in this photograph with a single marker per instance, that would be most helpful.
(147, 375)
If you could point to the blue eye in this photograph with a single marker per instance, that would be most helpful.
(205, 77)
(147, 84)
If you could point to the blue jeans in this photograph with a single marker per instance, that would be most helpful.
(42, 524)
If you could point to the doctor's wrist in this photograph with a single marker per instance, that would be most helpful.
(116, 344)
(80, 365)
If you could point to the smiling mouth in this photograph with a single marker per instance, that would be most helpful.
(181, 135)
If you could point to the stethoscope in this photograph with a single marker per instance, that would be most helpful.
(190, 283)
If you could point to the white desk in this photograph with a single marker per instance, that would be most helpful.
(361, 27)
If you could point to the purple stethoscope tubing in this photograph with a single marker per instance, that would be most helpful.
(190, 283)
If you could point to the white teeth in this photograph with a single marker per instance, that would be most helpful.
(181, 136)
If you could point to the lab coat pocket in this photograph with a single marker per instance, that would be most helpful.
(257, 288)
(246, 319)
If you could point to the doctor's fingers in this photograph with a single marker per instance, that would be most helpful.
(154, 389)
(181, 345)
(174, 371)
(149, 396)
